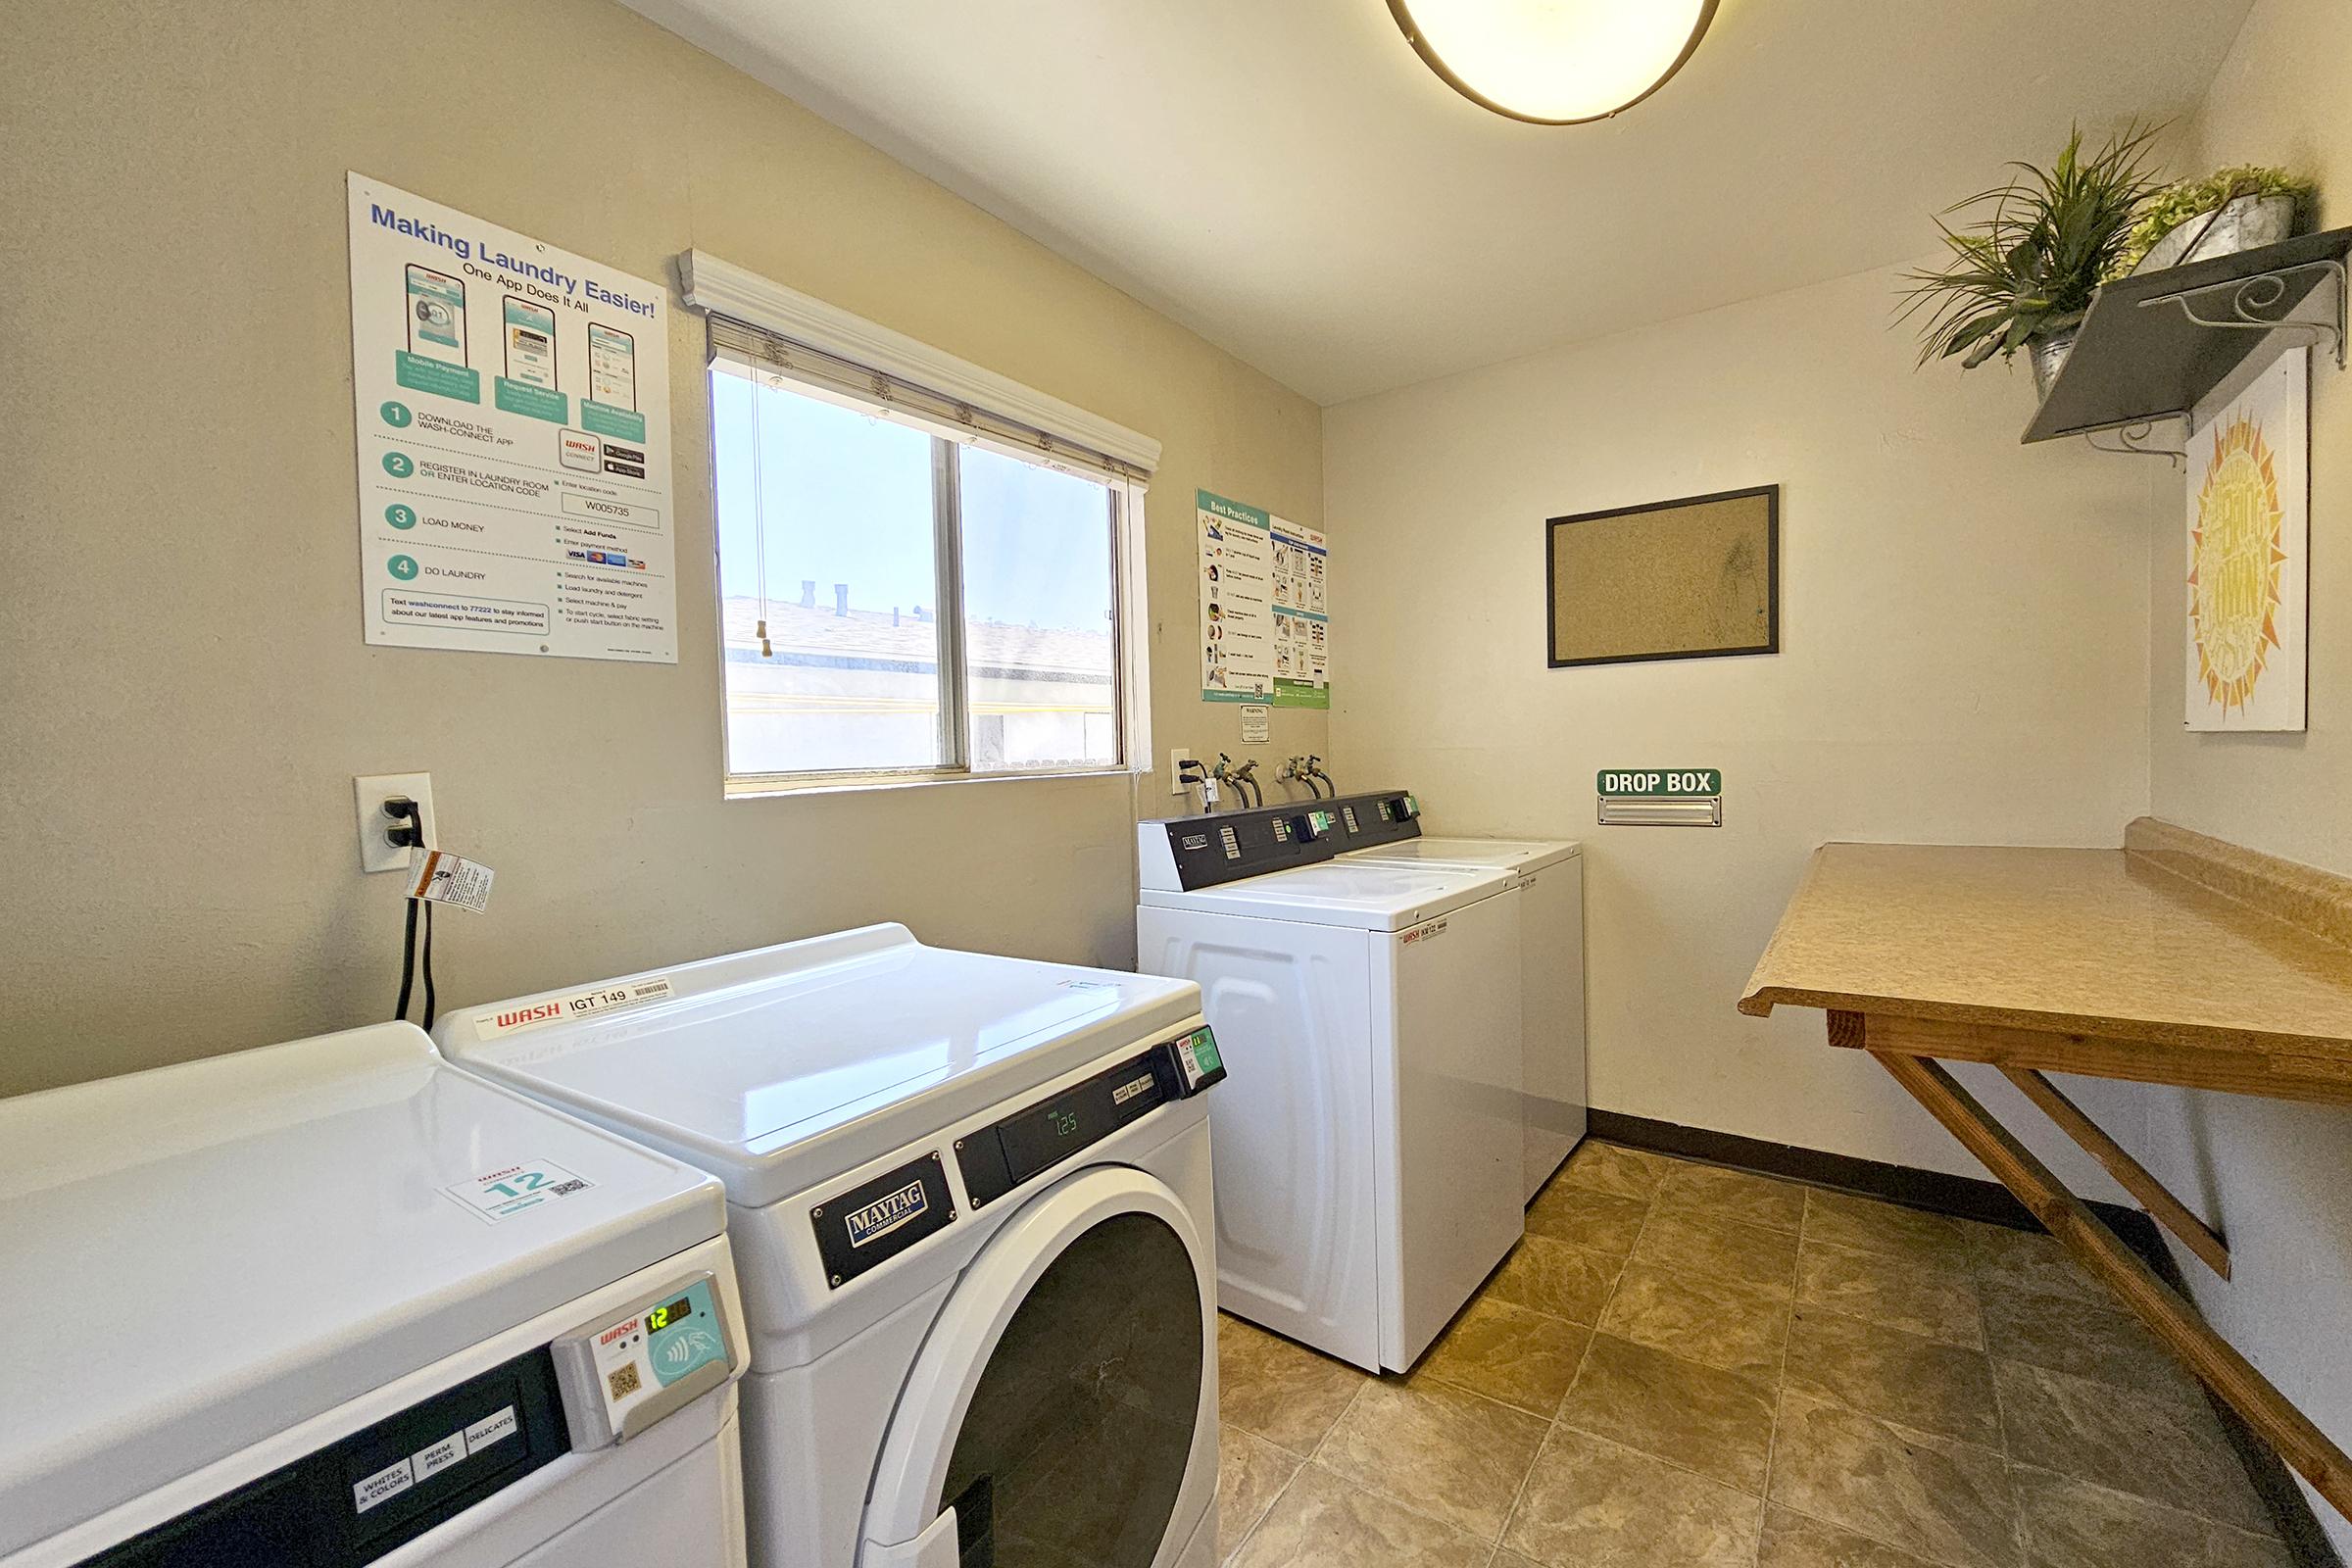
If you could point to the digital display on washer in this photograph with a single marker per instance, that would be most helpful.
(1049, 1132)
(661, 1317)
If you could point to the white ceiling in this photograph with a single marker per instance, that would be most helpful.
(1287, 178)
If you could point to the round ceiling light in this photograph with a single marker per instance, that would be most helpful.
(1555, 62)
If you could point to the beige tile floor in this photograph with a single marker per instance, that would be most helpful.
(1681, 1365)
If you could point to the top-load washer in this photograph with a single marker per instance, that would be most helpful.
(1368, 1180)
(335, 1303)
(972, 1200)
(1550, 876)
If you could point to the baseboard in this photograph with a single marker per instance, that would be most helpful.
(1962, 1196)
(1975, 1197)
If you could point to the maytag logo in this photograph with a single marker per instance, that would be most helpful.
(1425, 933)
(887, 1213)
(1195, 841)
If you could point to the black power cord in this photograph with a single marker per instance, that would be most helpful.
(408, 831)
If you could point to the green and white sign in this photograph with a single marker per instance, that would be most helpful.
(1265, 628)
(1660, 783)
(513, 436)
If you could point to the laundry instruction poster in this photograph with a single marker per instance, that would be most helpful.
(1264, 624)
(512, 402)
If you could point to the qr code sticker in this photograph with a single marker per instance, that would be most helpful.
(565, 1188)
(623, 1382)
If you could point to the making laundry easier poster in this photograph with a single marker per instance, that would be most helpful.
(513, 440)
(1265, 627)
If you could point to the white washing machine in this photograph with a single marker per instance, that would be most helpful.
(972, 1204)
(1550, 878)
(335, 1303)
(1368, 1172)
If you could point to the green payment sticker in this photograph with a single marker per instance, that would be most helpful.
(1204, 1052)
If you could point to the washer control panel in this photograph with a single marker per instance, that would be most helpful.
(626, 1371)
(998, 1158)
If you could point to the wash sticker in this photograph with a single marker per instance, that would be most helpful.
(580, 1005)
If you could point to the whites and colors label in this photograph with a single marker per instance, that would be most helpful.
(580, 1005)
(512, 405)
(508, 1191)
(885, 1213)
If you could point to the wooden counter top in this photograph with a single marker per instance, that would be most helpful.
(2096, 942)
(2178, 960)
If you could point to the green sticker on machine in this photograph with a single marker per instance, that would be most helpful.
(1204, 1052)
(1660, 783)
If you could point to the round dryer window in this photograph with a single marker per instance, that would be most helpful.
(1075, 1443)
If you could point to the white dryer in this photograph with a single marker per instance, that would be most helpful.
(1369, 1175)
(972, 1204)
(335, 1303)
(1550, 878)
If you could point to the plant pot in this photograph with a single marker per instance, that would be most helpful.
(2049, 358)
(2243, 224)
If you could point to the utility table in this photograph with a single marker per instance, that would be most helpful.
(2178, 960)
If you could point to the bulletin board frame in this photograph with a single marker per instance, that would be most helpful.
(1657, 558)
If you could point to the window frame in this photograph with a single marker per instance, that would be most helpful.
(1124, 519)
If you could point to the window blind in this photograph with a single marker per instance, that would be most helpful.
(944, 413)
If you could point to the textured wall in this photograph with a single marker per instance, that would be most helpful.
(2270, 1175)
(1963, 626)
(188, 696)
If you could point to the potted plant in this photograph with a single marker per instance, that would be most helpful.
(2234, 209)
(2023, 269)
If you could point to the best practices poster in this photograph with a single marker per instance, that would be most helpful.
(513, 440)
(1265, 629)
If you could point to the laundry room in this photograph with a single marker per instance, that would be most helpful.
(1506, 783)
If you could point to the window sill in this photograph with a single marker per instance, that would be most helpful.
(767, 786)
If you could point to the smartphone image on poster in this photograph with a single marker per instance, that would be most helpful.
(611, 366)
(530, 343)
(436, 315)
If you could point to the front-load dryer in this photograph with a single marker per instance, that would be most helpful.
(972, 1204)
(1368, 1172)
(335, 1303)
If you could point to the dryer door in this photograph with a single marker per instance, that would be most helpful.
(1064, 1403)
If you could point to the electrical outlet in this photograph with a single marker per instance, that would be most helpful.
(376, 852)
(1180, 757)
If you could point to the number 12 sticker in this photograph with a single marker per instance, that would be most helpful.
(508, 1191)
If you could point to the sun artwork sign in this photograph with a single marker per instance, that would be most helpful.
(2249, 540)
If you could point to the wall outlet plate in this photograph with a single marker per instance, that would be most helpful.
(1178, 758)
(369, 792)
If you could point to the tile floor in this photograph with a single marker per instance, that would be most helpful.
(1703, 1368)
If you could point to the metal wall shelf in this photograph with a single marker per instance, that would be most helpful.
(2156, 345)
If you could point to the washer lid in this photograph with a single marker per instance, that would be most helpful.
(206, 1255)
(1369, 894)
(783, 1067)
(1512, 854)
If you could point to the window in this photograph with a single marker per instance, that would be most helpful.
(909, 589)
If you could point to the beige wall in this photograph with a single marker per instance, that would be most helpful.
(2273, 1176)
(187, 694)
(1964, 658)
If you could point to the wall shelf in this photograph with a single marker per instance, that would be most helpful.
(2156, 345)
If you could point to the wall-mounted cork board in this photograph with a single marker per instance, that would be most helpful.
(1694, 578)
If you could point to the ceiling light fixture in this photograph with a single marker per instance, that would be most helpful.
(1555, 62)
